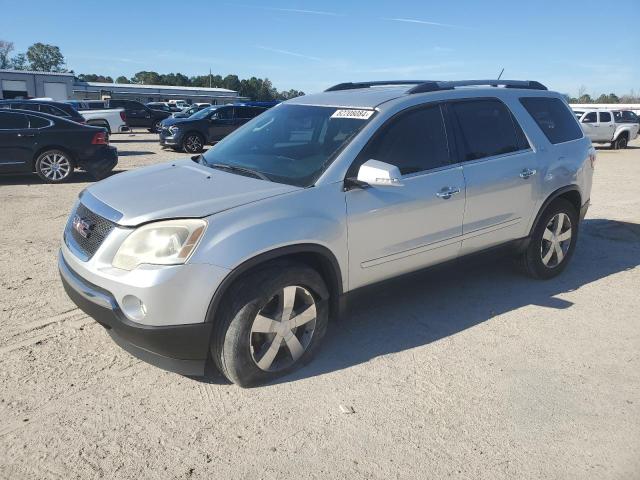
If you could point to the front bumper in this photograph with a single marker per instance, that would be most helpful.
(101, 162)
(178, 348)
(169, 140)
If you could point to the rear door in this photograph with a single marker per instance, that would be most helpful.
(17, 142)
(500, 170)
(607, 125)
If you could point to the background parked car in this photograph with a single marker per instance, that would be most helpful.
(601, 127)
(113, 119)
(205, 127)
(139, 115)
(187, 112)
(58, 109)
(52, 146)
(165, 107)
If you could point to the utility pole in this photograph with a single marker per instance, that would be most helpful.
(209, 78)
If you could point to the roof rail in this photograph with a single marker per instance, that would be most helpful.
(422, 86)
(354, 85)
(429, 87)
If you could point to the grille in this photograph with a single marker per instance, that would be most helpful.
(100, 228)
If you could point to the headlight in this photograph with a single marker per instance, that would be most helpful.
(168, 242)
(173, 129)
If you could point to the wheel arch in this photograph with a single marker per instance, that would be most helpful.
(41, 150)
(314, 255)
(570, 193)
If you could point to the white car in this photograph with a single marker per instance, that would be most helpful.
(113, 119)
(601, 127)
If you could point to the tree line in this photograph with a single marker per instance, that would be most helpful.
(42, 57)
(584, 97)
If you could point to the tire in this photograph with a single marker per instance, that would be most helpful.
(155, 128)
(542, 259)
(54, 166)
(250, 345)
(620, 142)
(193, 143)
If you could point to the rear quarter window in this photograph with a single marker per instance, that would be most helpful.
(554, 118)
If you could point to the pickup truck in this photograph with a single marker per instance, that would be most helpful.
(600, 126)
(114, 120)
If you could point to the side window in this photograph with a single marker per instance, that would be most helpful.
(225, 113)
(414, 141)
(13, 121)
(554, 118)
(591, 117)
(51, 110)
(255, 111)
(605, 117)
(242, 112)
(487, 129)
(34, 107)
(37, 122)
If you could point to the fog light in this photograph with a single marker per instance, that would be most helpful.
(133, 307)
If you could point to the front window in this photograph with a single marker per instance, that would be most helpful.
(290, 144)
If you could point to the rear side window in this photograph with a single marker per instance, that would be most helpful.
(37, 122)
(13, 121)
(605, 117)
(554, 118)
(488, 129)
(414, 141)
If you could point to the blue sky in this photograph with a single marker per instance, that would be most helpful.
(309, 45)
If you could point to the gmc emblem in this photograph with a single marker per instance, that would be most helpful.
(82, 226)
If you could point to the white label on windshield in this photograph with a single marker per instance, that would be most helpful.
(350, 113)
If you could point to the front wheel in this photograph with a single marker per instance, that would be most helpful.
(54, 166)
(553, 241)
(193, 143)
(271, 323)
(156, 127)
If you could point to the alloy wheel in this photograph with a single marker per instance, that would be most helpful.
(283, 329)
(55, 166)
(193, 143)
(556, 240)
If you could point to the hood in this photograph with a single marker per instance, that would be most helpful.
(180, 189)
(167, 122)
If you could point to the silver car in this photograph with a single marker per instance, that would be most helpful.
(239, 257)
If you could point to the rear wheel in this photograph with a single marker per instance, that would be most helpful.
(620, 142)
(193, 143)
(271, 323)
(155, 128)
(553, 241)
(54, 166)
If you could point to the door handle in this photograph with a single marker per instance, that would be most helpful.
(25, 135)
(528, 172)
(447, 192)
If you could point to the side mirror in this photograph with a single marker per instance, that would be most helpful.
(379, 174)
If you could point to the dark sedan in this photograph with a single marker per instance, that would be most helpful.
(207, 126)
(58, 109)
(52, 147)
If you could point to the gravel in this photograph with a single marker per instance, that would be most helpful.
(469, 372)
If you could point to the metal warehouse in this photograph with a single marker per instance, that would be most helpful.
(152, 93)
(27, 84)
(64, 86)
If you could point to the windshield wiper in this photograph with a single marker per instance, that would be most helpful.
(236, 168)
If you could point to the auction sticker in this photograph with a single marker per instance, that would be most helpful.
(352, 113)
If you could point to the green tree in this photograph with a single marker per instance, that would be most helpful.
(19, 62)
(146, 78)
(122, 79)
(45, 58)
(92, 77)
(5, 50)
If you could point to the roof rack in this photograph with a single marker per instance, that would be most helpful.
(422, 86)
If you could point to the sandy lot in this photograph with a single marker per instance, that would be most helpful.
(474, 372)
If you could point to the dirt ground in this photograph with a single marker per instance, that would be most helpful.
(474, 372)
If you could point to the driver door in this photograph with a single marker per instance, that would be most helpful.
(221, 124)
(398, 229)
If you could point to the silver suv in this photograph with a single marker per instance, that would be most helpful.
(241, 255)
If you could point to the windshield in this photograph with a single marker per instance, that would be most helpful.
(290, 144)
(199, 115)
